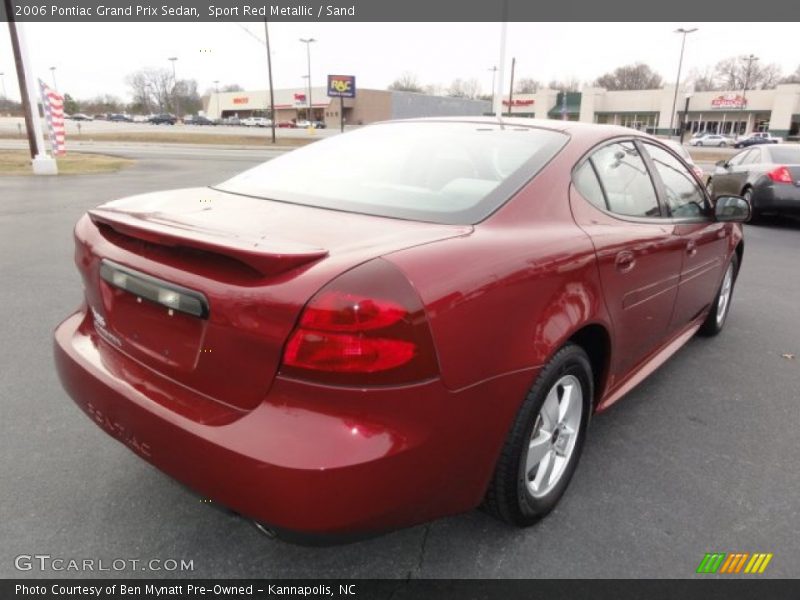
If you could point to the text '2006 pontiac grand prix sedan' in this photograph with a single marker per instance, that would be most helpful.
(398, 323)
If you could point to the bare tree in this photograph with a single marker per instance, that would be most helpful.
(527, 85)
(638, 76)
(407, 82)
(567, 85)
(231, 87)
(737, 72)
(464, 88)
(152, 89)
(703, 81)
(433, 89)
(792, 77)
(102, 104)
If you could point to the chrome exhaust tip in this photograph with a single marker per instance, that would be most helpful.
(270, 533)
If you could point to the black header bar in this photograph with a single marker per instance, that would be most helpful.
(397, 10)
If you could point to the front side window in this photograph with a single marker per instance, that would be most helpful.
(682, 194)
(626, 180)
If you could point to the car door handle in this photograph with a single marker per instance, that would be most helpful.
(625, 261)
(691, 248)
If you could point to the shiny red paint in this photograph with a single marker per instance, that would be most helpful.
(208, 402)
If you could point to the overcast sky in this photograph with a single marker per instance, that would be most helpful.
(94, 58)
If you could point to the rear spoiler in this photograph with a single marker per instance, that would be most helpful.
(267, 256)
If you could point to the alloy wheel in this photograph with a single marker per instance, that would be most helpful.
(725, 295)
(554, 434)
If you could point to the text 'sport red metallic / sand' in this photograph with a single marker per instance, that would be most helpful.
(398, 323)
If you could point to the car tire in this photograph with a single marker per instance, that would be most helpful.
(545, 442)
(718, 314)
(755, 214)
(722, 144)
(699, 143)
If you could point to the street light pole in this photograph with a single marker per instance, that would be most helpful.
(3, 82)
(172, 59)
(511, 88)
(269, 74)
(308, 42)
(53, 71)
(684, 33)
(750, 60)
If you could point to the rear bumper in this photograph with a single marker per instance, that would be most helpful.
(777, 197)
(309, 460)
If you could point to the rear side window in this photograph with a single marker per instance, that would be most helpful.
(683, 196)
(626, 181)
(442, 172)
(589, 187)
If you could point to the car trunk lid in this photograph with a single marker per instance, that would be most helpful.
(252, 263)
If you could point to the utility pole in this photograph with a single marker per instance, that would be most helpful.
(684, 32)
(511, 87)
(498, 92)
(42, 163)
(269, 74)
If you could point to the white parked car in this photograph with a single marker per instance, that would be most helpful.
(711, 139)
(256, 122)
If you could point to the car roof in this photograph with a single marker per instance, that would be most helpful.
(576, 129)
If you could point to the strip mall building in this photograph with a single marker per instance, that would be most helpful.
(776, 110)
(367, 107)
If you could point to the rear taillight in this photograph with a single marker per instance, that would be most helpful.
(366, 327)
(780, 175)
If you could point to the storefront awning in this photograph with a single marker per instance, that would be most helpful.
(573, 105)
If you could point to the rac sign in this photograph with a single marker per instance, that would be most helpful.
(341, 86)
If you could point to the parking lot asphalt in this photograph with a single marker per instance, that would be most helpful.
(702, 457)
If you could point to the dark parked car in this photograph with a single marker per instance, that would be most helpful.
(398, 323)
(120, 118)
(163, 119)
(767, 176)
(198, 120)
(756, 139)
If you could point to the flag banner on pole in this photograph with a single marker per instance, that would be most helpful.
(53, 105)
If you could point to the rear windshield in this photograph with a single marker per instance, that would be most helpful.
(785, 154)
(442, 172)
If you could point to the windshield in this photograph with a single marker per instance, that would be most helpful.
(443, 172)
(785, 154)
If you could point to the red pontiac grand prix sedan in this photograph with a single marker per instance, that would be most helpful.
(398, 323)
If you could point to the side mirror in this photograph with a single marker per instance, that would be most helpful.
(734, 209)
(722, 163)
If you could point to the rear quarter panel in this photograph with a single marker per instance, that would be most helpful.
(505, 297)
